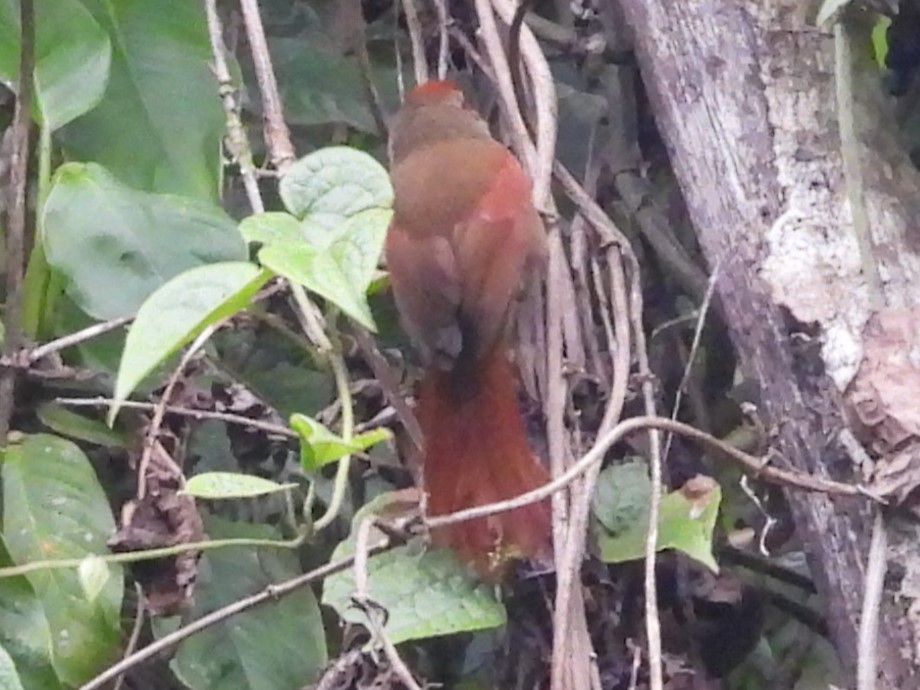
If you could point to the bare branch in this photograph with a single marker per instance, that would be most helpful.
(16, 217)
(277, 135)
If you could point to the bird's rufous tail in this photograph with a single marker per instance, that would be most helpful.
(476, 452)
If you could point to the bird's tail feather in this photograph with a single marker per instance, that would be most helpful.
(476, 452)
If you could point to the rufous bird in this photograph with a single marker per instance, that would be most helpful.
(464, 237)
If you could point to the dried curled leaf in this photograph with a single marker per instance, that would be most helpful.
(882, 400)
(883, 395)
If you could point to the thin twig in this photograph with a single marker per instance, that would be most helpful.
(501, 73)
(443, 37)
(159, 411)
(378, 364)
(621, 342)
(237, 141)
(88, 333)
(371, 610)
(270, 593)
(419, 61)
(311, 321)
(16, 216)
(139, 615)
(759, 467)
(652, 623)
(277, 135)
(154, 554)
(694, 347)
(374, 102)
(569, 619)
(544, 94)
(340, 485)
(589, 208)
(237, 419)
(873, 588)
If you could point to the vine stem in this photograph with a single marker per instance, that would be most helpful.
(332, 350)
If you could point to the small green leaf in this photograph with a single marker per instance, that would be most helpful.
(337, 180)
(686, 520)
(880, 40)
(319, 446)
(271, 227)
(177, 312)
(94, 573)
(115, 245)
(68, 423)
(279, 645)
(214, 485)
(425, 593)
(54, 508)
(9, 676)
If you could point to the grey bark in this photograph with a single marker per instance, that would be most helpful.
(743, 92)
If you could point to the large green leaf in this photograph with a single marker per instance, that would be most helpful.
(685, 522)
(24, 631)
(425, 593)
(53, 508)
(9, 677)
(177, 312)
(160, 123)
(280, 645)
(343, 197)
(73, 55)
(66, 422)
(116, 245)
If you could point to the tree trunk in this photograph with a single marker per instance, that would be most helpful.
(744, 96)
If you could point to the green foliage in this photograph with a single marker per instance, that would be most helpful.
(24, 630)
(621, 505)
(101, 234)
(72, 56)
(178, 311)
(9, 678)
(130, 225)
(880, 40)
(342, 198)
(215, 485)
(336, 181)
(425, 593)
(280, 645)
(319, 446)
(53, 508)
(159, 125)
(68, 423)
(319, 86)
